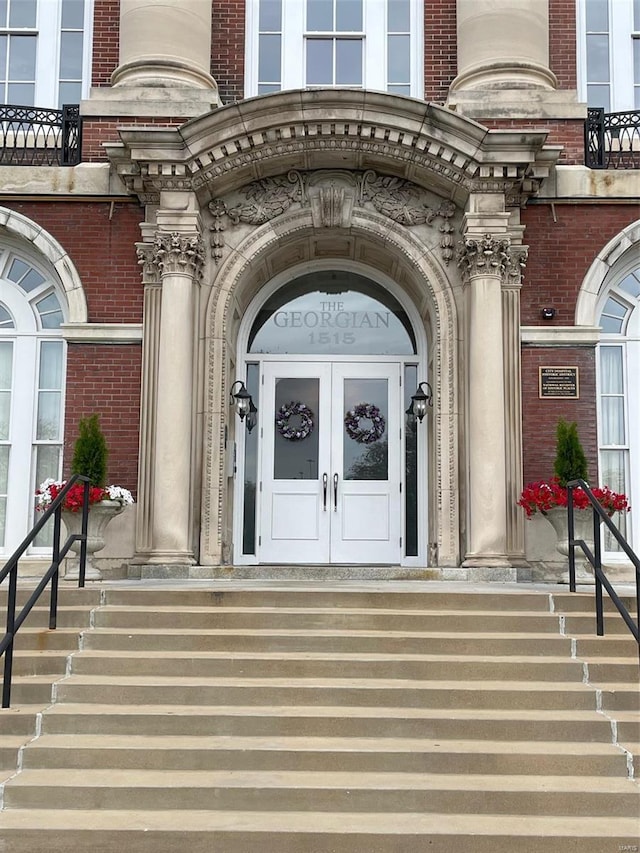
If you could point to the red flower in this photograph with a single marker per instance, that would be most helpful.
(74, 497)
(543, 496)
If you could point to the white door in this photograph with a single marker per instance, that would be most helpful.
(330, 463)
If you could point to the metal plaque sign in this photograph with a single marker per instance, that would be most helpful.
(559, 382)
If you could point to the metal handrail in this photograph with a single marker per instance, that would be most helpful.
(612, 140)
(10, 570)
(595, 558)
(37, 136)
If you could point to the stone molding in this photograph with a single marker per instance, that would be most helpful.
(102, 333)
(171, 254)
(491, 256)
(332, 197)
(430, 145)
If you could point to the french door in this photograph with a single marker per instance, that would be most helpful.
(330, 463)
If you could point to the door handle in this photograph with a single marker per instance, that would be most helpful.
(335, 493)
(324, 492)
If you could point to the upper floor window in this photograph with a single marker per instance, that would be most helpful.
(361, 44)
(610, 53)
(44, 51)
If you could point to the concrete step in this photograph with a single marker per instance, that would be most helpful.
(608, 646)
(334, 790)
(309, 664)
(310, 619)
(337, 692)
(31, 690)
(48, 662)
(43, 639)
(400, 755)
(302, 721)
(209, 831)
(355, 641)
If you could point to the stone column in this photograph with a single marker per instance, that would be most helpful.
(483, 261)
(180, 258)
(165, 43)
(503, 44)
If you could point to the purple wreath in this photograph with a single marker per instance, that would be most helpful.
(292, 433)
(356, 432)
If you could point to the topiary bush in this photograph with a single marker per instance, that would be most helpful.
(570, 463)
(90, 452)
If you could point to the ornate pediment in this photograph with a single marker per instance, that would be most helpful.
(331, 197)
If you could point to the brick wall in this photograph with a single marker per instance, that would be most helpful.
(106, 36)
(106, 379)
(100, 240)
(562, 42)
(562, 251)
(540, 416)
(440, 47)
(227, 48)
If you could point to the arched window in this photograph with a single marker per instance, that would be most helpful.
(619, 395)
(32, 371)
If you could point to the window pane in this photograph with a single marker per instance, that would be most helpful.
(636, 60)
(48, 426)
(6, 320)
(50, 365)
(52, 320)
(366, 460)
(4, 469)
(72, 14)
(598, 59)
(320, 15)
(22, 58)
(22, 94)
(269, 61)
(611, 370)
(31, 280)
(3, 57)
(599, 96)
(5, 414)
(349, 16)
(49, 303)
(3, 13)
(597, 16)
(71, 56)
(399, 90)
(319, 62)
(631, 284)
(266, 88)
(613, 420)
(636, 15)
(399, 18)
(399, 59)
(69, 93)
(47, 465)
(613, 474)
(349, 62)
(6, 365)
(610, 325)
(270, 16)
(22, 13)
(614, 308)
(296, 459)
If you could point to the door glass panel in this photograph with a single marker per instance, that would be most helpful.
(6, 370)
(411, 465)
(297, 423)
(4, 486)
(332, 311)
(365, 444)
(250, 468)
(47, 466)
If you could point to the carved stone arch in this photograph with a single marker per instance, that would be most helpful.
(54, 256)
(417, 268)
(620, 255)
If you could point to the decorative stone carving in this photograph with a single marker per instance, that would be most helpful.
(331, 196)
(179, 253)
(490, 255)
(147, 260)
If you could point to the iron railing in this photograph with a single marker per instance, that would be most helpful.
(10, 571)
(33, 136)
(595, 558)
(612, 140)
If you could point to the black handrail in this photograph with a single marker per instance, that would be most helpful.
(10, 570)
(612, 140)
(595, 559)
(37, 136)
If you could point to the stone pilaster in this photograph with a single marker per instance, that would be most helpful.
(172, 263)
(484, 261)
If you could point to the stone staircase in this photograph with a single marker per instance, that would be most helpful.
(266, 718)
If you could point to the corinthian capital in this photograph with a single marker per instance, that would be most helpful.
(179, 253)
(485, 256)
(147, 260)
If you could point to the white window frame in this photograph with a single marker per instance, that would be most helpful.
(629, 342)
(48, 32)
(621, 39)
(375, 49)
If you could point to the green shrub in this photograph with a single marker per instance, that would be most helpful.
(570, 463)
(90, 452)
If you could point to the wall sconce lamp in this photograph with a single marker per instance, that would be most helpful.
(420, 401)
(548, 313)
(244, 404)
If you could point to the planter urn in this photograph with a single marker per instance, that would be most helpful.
(100, 515)
(582, 529)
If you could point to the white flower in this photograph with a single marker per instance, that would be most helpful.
(117, 493)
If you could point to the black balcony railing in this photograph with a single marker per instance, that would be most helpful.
(612, 140)
(33, 136)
